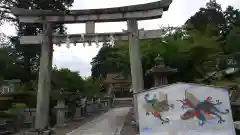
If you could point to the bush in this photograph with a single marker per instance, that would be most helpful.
(19, 105)
(5, 103)
(6, 115)
(28, 98)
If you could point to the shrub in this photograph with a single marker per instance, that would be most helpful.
(5, 103)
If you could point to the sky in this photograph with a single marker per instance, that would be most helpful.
(78, 58)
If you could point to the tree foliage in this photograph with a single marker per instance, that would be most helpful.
(93, 87)
(110, 60)
(28, 55)
(67, 80)
(206, 43)
(22, 62)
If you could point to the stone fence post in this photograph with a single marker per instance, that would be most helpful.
(79, 112)
(29, 117)
(84, 106)
(61, 109)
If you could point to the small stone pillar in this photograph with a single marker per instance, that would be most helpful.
(95, 104)
(61, 112)
(108, 97)
(29, 117)
(78, 113)
(83, 106)
(99, 103)
(79, 110)
(105, 102)
(160, 72)
(102, 104)
(89, 107)
(110, 89)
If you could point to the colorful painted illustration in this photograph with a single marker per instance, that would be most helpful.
(203, 110)
(156, 106)
(206, 110)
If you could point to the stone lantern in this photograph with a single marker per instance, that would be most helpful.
(61, 109)
(160, 72)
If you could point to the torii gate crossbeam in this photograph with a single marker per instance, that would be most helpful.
(100, 37)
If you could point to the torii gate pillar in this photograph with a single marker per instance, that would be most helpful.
(44, 79)
(135, 62)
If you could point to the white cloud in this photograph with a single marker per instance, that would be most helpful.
(78, 58)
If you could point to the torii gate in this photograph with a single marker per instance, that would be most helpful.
(131, 14)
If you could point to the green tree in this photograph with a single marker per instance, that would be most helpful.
(67, 80)
(110, 60)
(92, 86)
(196, 49)
(211, 14)
(28, 55)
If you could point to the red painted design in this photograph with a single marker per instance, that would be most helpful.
(155, 114)
(187, 104)
(207, 99)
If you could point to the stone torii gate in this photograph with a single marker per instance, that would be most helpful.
(131, 14)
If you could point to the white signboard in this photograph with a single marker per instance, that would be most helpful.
(185, 109)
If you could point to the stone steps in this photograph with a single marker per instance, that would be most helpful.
(123, 102)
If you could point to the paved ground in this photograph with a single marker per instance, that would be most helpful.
(71, 125)
(129, 128)
(110, 123)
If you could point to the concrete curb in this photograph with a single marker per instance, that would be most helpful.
(118, 131)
